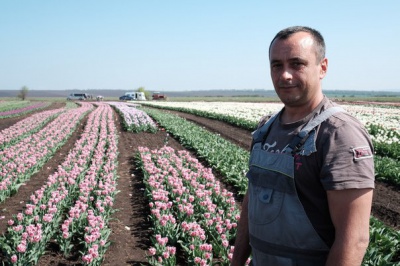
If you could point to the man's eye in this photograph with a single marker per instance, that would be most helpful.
(276, 66)
(297, 64)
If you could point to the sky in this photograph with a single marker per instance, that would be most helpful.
(189, 45)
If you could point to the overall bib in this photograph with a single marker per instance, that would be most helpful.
(279, 229)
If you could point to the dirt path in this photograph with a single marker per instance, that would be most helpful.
(130, 226)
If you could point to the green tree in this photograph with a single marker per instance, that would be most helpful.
(23, 93)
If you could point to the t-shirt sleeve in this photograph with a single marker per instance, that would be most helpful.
(347, 161)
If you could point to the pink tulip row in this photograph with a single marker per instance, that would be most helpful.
(88, 218)
(186, 201)
(19, 111)
(134, 119)
(58, 194)
(168, 232)
(26, 126)
(20, 161)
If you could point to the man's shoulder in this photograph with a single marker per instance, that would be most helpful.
(339, 119)
(343, 125)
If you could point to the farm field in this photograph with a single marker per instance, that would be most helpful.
(130, 229)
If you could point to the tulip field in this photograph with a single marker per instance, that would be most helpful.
(122, 183)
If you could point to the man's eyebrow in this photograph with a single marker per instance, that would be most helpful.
(297, 59)
(274, 61)
(293, 59)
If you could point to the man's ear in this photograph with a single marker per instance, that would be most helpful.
(324, 68)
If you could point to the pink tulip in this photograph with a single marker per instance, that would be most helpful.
(21, 248)
(14, 258)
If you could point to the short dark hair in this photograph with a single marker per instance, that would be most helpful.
(316, 35)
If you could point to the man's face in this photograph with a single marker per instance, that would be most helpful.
(295, 71)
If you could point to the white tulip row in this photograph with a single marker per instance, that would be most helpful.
(387, 117)
(244, 110)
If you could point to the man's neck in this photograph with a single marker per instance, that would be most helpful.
(293, 114)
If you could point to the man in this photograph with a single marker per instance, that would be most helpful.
(311, 171)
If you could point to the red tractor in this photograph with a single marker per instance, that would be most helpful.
(159, 96)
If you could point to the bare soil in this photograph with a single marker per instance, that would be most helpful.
(130, 227)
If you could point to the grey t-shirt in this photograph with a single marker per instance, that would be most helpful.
(343, 160)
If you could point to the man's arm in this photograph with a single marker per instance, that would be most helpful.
(350, 211)
(242, 248)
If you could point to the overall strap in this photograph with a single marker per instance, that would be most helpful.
(300, 138)
(261, 133)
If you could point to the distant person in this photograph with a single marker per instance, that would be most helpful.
(311, 171)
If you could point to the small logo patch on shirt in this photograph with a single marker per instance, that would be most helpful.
(362, 153)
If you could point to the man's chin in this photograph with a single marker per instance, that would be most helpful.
(289, 99)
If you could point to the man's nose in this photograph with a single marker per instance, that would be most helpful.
(286, 74)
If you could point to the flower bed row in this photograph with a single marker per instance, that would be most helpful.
(84, 187)
(16, 109)
(189, 211)
(243, 115)
(26, 127)
(11, 105)
(134, 120)
(19, 162)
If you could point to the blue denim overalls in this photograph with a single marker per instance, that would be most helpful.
(280, 231)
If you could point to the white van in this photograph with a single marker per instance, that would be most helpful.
(138, 96)
(77, 96)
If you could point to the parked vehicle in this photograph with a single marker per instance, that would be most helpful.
(126, 98)
(77, 96)
(136, 95)
(159, 96)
